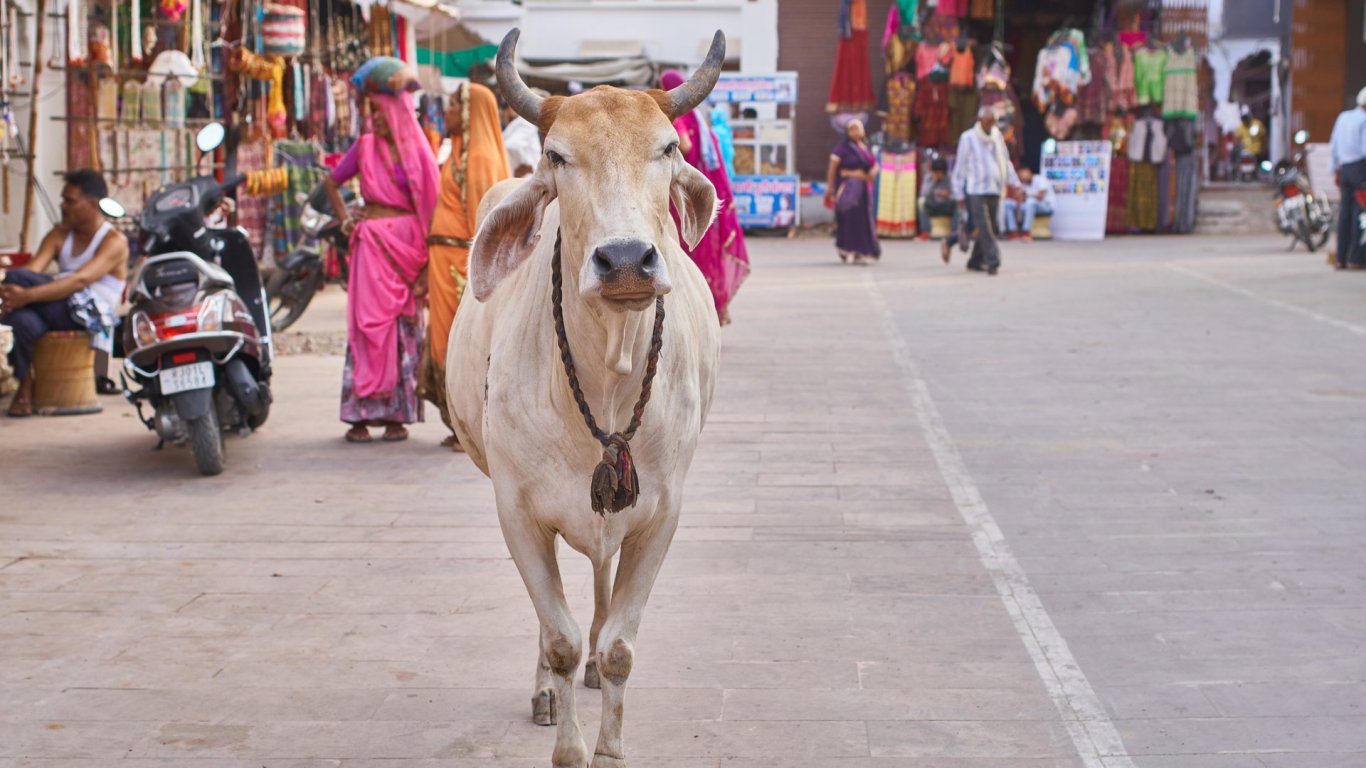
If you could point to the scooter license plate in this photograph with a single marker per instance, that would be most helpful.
(1294, 202)
(183, 378)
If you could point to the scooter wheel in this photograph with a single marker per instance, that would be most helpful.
(206, 442)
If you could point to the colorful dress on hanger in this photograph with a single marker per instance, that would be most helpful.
(1119, 77)
(932, 113)
(900, 97)
(1117, 133)
(896, 194)
(1148, 75)
(963, 100)
(1092, 99)
(851, 87)
(1180, 93)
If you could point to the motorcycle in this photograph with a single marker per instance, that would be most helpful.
(197, 339)
(299, 277)
(1300, 213)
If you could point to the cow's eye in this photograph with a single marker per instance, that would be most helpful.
(555, 158)
(671, 149)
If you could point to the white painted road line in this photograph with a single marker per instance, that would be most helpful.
(1309, 313)
(1096, 739)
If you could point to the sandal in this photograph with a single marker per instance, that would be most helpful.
(453, 443)
(19, 408)
(395, 433)
(359, 434)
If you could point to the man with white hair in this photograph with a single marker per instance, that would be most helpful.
(981, 175)
(1348, 162)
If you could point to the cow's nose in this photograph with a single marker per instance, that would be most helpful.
(625, 259)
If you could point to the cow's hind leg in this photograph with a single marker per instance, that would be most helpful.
(641, 558)
(602, 603)
(561, 644)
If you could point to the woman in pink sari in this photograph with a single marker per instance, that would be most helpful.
(721, 253)
(399, 182)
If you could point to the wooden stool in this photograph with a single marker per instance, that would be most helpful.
(1043, 227)
(941, 227)
(64, 375)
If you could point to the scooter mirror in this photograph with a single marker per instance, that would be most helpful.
(210, 137)
(112, 208)
(1266, 166)
(1301, 136)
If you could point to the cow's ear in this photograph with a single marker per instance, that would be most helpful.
(509, 233)
(694, 198)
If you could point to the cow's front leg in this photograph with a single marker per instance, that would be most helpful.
(602, 604)
(641, 557)
(533, 550)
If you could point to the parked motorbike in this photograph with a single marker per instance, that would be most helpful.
(1306, 217)
(301, 274)
(197, 339)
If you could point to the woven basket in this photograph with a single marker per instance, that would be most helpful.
(64, 375)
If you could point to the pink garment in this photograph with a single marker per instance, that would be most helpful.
(721, 253)
(387, 254)
(893, 25)
(953, 8)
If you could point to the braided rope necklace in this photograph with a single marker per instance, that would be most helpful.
(616, 485)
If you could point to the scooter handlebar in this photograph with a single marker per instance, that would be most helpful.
(233, 182)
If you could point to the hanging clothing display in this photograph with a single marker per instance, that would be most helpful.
(1181, 140)
(1147, 150)
(1062, 68)
(1093, 99)
(1180, 93)
(900, 98)
(1149, 66)
(851, 86)
(929, 55)
(963, 104)
(896, 52)
(932, 113)
(896, 195)
(1117, 133)
(1119, 76)
(953, 8)
(962, 68)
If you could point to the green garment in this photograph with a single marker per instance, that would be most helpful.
(456, 63)
(1148, 74)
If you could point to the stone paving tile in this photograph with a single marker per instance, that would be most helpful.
(1170, 463)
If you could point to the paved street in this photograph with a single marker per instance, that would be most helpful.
(1100, 511)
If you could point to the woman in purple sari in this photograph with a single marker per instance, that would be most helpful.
(849, 188)
(720, 254)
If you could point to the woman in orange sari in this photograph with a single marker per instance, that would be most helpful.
(477, 162)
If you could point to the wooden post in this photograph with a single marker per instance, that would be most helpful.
(40, 13)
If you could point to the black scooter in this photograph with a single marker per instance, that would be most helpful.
(197, 339)
(301, 274)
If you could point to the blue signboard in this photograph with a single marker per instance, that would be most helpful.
(766, 201)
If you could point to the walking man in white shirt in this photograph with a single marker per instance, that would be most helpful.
(981, 176)
(522, 140)
(1348, 161)
(1035, 199)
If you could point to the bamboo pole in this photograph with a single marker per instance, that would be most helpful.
(32, 176)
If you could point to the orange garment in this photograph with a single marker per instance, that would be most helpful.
(961, 69)
(477, 162)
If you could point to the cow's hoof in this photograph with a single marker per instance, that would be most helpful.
(604, 761)
(544, 709)
(590, 674)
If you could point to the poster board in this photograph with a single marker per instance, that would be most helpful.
(765, 185)
(1080, 174)
(766, 201)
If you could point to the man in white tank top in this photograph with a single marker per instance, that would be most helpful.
(92, 260)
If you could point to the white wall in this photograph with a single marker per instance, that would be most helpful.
(675, 31)
(51, 155)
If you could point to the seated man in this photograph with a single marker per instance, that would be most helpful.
(92, 268)
(936, 199)
(1035, 198)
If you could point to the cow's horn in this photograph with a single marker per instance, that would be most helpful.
(515, 92)
(687, 96)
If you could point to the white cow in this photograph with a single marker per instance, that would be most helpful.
(610, 168)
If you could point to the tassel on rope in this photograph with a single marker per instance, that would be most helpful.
(616, 485)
